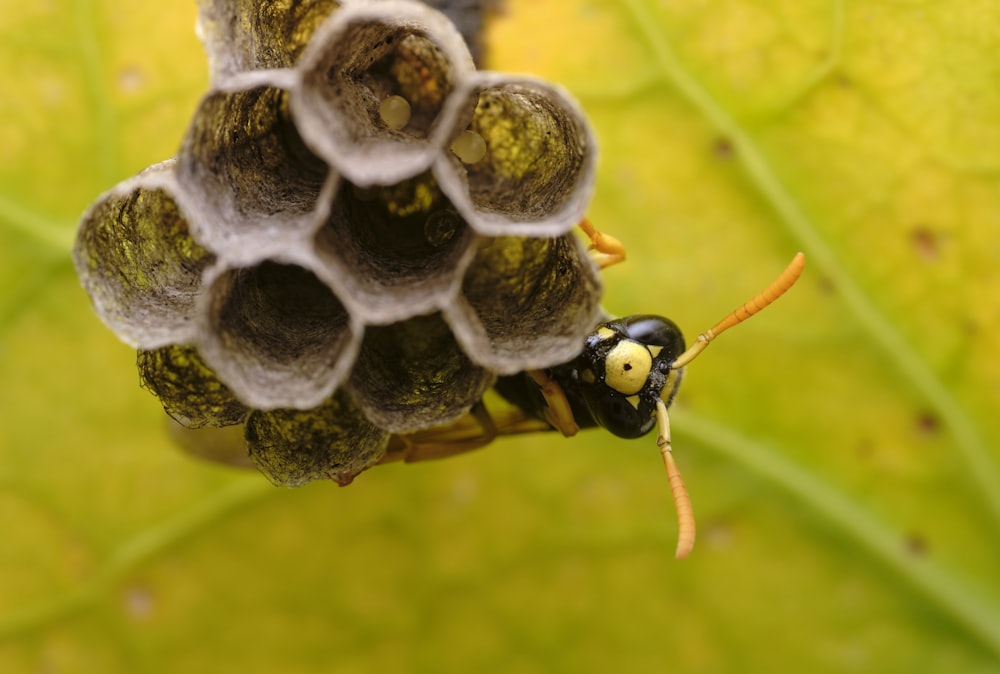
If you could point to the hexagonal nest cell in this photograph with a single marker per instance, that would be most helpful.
(247, 169)
(396, 249)
(358, 234)
(277, 335)
(139, 262)
(538, 149)
(365, 55)
(546, 283)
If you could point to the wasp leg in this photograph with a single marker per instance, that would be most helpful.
(605, 249)
(557, 410)
(473, 431)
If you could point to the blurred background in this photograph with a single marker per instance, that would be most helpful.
(841, 449)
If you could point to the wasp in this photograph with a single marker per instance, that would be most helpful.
(623, 380)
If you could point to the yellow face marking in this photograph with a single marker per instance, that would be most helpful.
(633, 401)
(654, 350)
(605, 333)
(627, 367)
(588, 376)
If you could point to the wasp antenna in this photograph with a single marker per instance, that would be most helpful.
(776, 289)
(682, 502)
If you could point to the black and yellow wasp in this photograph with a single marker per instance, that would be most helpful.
(623, 380)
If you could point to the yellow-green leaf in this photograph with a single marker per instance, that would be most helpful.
(841, 449)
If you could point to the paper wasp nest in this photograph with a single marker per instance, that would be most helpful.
(359, 232)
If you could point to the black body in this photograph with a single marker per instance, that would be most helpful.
(593, 399)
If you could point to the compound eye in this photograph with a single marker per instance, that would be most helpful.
(627, 367)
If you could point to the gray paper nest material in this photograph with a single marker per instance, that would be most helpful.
(329, 276)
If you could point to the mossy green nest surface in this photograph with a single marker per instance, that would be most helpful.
(328, 269)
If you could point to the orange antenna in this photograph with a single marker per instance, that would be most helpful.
(682, 502)
(772, 292)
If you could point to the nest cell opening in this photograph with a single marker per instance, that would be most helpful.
(373, 90)
(245, 165)
(538, 165)
(140, 265)
(533, 301)
(397, 248)
(277, 335)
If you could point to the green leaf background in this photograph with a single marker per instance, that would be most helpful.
(840, 449)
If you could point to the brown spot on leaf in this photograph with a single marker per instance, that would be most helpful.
(723, 148)
(139, 604)
(131, 79)
(928, 424)
(926, 242)
(916, 544)
(826, 286)
(865, 448)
